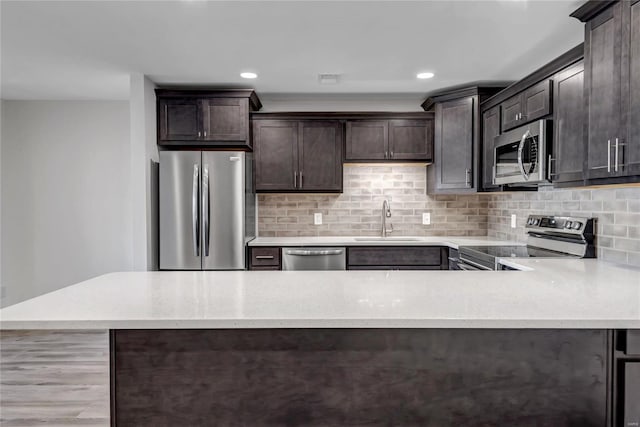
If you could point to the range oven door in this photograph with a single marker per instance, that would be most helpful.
(520, 155)
(467, 265)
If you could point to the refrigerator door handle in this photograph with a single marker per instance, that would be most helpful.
(194, 210)
(205, 208)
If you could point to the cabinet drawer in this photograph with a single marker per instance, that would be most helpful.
(268, 268)
(633, 342)
(395, 256)
(265, 257)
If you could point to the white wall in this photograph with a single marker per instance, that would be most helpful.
(144, 172)
(66, 198)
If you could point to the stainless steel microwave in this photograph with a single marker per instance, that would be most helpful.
(520, 156)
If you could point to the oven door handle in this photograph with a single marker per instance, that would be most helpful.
(477, 266)
(467, 267)
(526, 135)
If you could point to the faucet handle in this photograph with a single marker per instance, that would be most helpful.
(390, 228)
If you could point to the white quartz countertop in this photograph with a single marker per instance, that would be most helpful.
(552, 293)
(450, 241)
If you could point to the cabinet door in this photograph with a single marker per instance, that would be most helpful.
(536, 101)
(490, 129)
(629, 154)
(276, 155)
(367, 140)
(179, 119)
(454, 144)
(631, 402)
(411, 140)
(225, 120)
(567, 165)
(320, 156)
(602, 89)
(511, 110)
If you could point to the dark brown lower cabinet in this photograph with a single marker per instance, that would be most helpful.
(397, 258)
(626, 378)
(349, 377)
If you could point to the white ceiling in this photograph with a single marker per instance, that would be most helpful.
(86, 49)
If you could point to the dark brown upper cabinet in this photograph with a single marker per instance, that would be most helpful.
(225, 119)
(410, 140)
(454, 144)
(276, 155)
(612, 90)
(389, 140)
(179, 119)
(367, 140)
(490, 129)
(456, 158)
(298, 155)
(566, 165)
(532, 104)
(205, 118)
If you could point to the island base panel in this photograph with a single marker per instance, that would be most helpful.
(372, 377)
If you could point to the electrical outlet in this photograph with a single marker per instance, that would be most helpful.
(426, 218)
(513, 220)
(317, 218)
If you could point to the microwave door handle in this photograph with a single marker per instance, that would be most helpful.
(520, 148)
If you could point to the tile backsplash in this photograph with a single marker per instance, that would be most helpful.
(617, 211)
(357, 211)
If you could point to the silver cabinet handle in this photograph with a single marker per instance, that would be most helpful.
(493, 178)
(386, 154)
(467, 177)
(295, 179)
(550, 173)
(205, 208)
(616, 157)
(199, 133)
(516, 117)
(194, 210)
(264, 257)
(391, 152)
(300, 179)
(609, 155)
(205, 133)
(307, 252)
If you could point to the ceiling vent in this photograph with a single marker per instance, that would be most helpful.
(328, 79)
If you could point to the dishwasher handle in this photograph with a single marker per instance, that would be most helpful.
(314, 252)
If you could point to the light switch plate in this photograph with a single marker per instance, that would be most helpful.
(426, 218)
(513, 220)
(317, 218)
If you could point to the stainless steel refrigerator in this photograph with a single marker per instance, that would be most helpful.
(207, 209)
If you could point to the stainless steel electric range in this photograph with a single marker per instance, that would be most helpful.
(547, 237)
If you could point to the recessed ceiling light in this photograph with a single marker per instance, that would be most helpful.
(425, 75)
(248, 75)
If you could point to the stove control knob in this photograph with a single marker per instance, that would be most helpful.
(568, 224)
(577, 225)
(536, 221)
(530, 221)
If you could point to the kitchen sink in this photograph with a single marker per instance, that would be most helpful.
(387, 239)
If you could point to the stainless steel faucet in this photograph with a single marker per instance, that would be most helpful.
(386, 213)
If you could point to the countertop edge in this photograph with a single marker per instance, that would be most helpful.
(324, 324)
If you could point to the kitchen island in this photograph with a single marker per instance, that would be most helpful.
(536, 347)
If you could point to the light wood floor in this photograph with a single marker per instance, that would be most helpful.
(54, 378)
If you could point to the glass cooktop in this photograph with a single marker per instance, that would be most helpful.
(515, 251)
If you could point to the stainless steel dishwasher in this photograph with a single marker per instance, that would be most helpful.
(319, 258)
